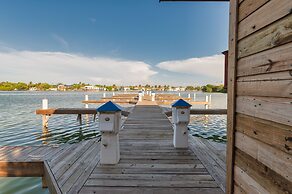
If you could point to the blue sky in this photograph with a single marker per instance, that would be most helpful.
(168, 43)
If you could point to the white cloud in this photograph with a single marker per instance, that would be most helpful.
(60, 40)
(209, 67)
(57, 67)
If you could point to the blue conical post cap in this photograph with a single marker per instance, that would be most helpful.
(109, 107)
(181, 103)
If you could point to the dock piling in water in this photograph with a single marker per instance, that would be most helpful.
(45, 118)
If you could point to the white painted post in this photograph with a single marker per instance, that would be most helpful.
(194, 96)
(210, 99)
(179, 94)
(109, 125)
(153, 96)
(114, 94)
(207, 102)
(180, 119)
(140, 96)
(150, 93)
(86, 99)
(104, 95)
(189, 95)
(143, 93)
(45, 118)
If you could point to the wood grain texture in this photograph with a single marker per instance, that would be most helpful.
(275, 134)
(246, 182)
(263, 16)
(269, 179)
(265, 89)
(278, 110)
(231, 91)
(247, 7)
(273, 60)
(271, 36)
(276, 160)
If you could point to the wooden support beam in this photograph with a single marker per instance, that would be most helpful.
(231, 93)
(52, 111)
(203, 112)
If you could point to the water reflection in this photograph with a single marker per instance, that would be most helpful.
(211, 127)
(72, 132)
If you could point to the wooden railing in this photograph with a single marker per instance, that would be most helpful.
(203, 112)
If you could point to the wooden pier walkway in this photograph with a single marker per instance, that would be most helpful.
(149, 162)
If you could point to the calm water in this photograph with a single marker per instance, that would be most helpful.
(19, 125)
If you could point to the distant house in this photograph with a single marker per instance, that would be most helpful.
(90, 88)
(33, 89)
(61, 87)
(127, 89)
(53, 89)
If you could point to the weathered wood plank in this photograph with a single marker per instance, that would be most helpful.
(21, 169)
(214, 165)
(281, 88)
(247, 7)
(50, 179)
(145, 183)
(231, 90)
(278, 161)
(147, 190)
(269, 37)
(275, 134)
(274, 109)
(153, 177)
(80, 174)
(263, 16)
(246, 182)
(266, 177)
(273, 60)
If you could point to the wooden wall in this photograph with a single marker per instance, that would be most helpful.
(259, 151)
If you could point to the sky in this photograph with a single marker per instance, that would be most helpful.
(118, 42)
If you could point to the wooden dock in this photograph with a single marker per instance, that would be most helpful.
(149, 162)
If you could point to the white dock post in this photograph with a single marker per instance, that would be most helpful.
(210, 99)
(180, 119)
(45, 118)
(114, 94)
(179, 94)
(104, 95)
(109, 125)
(86, 99)
(143, 93)
(189, 95)
(140, 96)
(153, 96)
(194, 96)
(207, 100)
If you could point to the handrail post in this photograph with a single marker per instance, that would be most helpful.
(153, 96)
(45, 118)
(180, 119)
(109, 125)
(86, 99)
(140, 96)
(207, 102)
